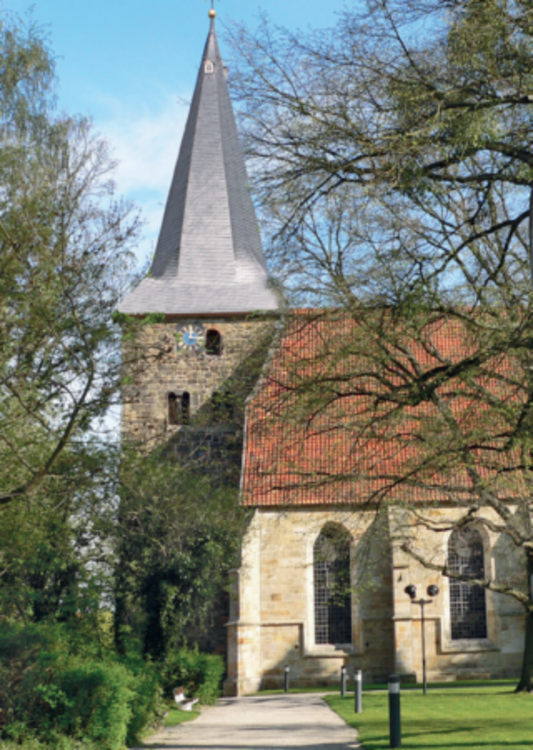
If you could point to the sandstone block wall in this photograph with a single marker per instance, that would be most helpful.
(500, 654)
(272, 621)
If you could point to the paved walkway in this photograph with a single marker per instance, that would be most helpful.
(264, 722)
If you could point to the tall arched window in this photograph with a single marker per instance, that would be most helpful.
(333, 601)
(468, 612)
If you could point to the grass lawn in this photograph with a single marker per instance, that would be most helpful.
(477, 718)
(175, 716)
(384, 686)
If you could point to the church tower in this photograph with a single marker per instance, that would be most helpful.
(208, 280)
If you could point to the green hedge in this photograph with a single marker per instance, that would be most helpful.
(52, 695)
(48, 695)
(199, 674)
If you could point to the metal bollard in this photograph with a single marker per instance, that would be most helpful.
(343, 680)
(358, 691)
(394, 711)
(287, 672)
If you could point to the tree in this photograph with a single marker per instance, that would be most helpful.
(179, 534)
(419, 97)
(56, 556)
(65, 262)
(66, 259)
(402, 138)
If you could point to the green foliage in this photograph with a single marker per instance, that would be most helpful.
(65, 248)
(153, 318)
(93, 700)
(46, 566)
(57, 562)
(60, 742)
(179, 534)
(199, 674)
(65, 262)
(52, 694)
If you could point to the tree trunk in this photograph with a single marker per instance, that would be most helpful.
(526, 678)
(525, 684)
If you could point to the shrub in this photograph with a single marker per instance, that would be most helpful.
(199, 674)
(67, 701)
(146, 707)
(59, 742)
(93, 701)
(21, 669)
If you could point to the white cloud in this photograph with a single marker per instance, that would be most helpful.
(146, 146)
(145, 143)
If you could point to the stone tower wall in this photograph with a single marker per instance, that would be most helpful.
(145, 410)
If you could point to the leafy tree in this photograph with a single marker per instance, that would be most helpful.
(65, 262)
(56, 557)
(65, 249)
(394, 159)
(179, 534)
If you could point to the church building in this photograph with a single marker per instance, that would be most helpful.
(322, 582)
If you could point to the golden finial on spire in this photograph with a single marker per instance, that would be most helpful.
(212, 13)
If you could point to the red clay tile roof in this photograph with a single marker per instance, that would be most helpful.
(322, 427)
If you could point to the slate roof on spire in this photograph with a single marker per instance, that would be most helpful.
(209, 258)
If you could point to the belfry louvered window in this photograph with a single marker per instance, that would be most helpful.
(185, 408)
(468, 612)
(173, 409)
(332, 587)
(179, 408)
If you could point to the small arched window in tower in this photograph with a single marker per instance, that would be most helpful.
(209, 67)
(468, 612)
(213, 342)
(332, 594)
(185, 408)
(173, 409)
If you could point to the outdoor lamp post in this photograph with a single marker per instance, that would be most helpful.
(287, 677)
(431, 591)
(344, 680)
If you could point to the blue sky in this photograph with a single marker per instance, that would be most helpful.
(131, 65)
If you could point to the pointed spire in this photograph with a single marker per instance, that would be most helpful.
(209, 258)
